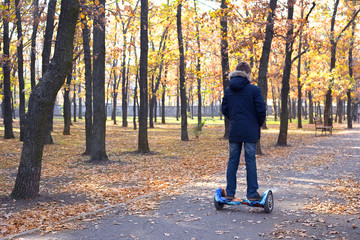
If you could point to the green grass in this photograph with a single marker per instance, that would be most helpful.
(172, 120)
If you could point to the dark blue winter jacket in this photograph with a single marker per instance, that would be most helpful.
(244, 106)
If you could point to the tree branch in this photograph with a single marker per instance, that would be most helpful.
(347, 25)
(305, 20)
(299, 55)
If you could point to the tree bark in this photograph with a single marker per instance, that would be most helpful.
(282, 138)
(98, 153)
(311, 108)
(20, 69)
(143, 145)
(135, 94)
(198, 66)
(184, 132)
(74, 102)
(299, 113)
(45, 62)
(123, 86)
(67, 104)
(177, 103)
(348, 93)
(36, 16)
(88, 85)
(48, 35)
(80, 102)
(28, 176)
(224, 57)
(7, 108)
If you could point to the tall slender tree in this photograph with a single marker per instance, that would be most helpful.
(98, 151)
(143, 144)
(20, 68)
(36, 16)
(88, 80)
(49, 30)
(299, 112)
(284, 115)
(41, 98)
(184, 132)
(7, 106)
(224, 56)
(265, 55)
(351, 62)
(198, 65)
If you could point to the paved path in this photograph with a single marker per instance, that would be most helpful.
(304, 176)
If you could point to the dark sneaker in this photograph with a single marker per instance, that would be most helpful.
(230, 197)
(257, 197)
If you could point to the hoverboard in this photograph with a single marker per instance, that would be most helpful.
(267, 201)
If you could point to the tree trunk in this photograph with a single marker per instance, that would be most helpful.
(184, 132)
(135, 94)
(264, 61)
(7, 109)
(41, 98)
(224, 57)
(45, 62)
(20, 69)
(36, 16)
(282, 139)
(123, 86)
(311, 108)
(88, 85)
(348, 93)
(299, 74)
(294, 112)
(198, 66)
(115, 94)
(48, 35)
(177, 103)
(265, 55)
(305, 107)
(67, 104)
(80, 101)
(143, 145)
(274, 101)
(163, 104)
(74, 101)
(151, 103)
(163, 97)
(13, 101)
(289, 109)
(98, 153)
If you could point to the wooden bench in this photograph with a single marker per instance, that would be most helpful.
(322, 128)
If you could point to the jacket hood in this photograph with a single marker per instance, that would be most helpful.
(238, 80)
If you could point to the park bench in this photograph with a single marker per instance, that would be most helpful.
(319, 126)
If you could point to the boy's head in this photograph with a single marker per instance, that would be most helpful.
(244, 66)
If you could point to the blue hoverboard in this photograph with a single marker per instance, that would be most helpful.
(267, 201)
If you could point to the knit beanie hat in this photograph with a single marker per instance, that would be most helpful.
(244, 66)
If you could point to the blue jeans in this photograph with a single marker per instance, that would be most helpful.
(233, 164)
